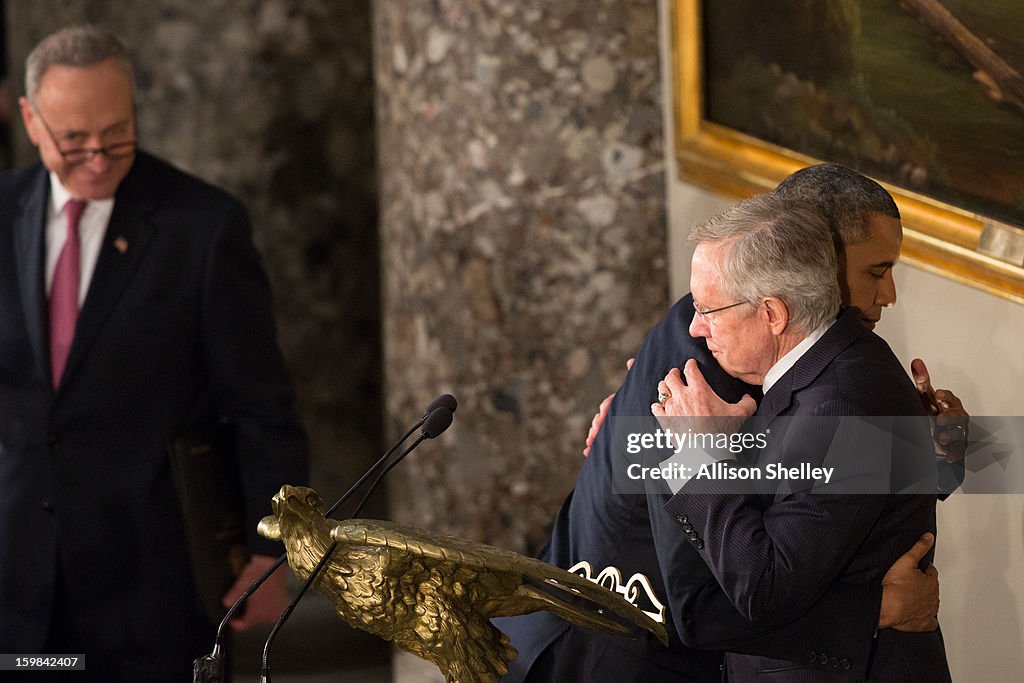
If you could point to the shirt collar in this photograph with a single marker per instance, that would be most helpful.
(783, 365)
(60, 196)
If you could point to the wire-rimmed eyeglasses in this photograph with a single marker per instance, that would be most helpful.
(80, 155)
(704, 314)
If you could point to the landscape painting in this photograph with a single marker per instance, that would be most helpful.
(924, 95)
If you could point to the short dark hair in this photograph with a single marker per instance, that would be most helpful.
(844, 197)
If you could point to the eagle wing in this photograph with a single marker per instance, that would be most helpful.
(434, 594)
(507, 583)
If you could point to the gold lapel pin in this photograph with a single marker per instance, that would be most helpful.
(121, 244)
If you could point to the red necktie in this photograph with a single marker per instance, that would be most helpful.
(64, 293)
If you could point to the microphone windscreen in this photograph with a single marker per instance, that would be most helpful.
(439, 420)
(443, 401)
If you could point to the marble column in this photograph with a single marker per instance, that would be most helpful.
(523, 242)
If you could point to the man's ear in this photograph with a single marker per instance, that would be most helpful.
(776, 315)
(28, 119)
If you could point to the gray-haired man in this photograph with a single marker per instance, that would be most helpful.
(133, 307)
(766, 301)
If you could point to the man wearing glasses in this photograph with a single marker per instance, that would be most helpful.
(133, 308)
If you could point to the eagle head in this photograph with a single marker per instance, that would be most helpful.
(289, 503)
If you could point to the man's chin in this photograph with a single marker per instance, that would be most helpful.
(94, 191)
(869, 322)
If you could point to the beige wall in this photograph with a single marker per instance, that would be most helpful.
(971, 342)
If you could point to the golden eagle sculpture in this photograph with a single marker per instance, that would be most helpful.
(434, 594)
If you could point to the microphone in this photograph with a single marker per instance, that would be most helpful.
(434, 424)
(446, 401)
(443, 401)
(438, 421)
(210, 668)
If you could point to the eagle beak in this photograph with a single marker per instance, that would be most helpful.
(270, 528)
(279, 498)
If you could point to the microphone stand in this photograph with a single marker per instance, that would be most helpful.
(210, 668)
(438, 421)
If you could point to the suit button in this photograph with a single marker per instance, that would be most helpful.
(683, 519)
(692, 535)
(47, 505)
(834, 662)
(699, 544)
(687, 527)
(812, 656)
(823, 658)
(845, 663)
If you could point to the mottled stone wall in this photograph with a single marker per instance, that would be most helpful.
(271, 99)
(523, 241)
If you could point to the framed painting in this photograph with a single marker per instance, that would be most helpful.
(925, 96)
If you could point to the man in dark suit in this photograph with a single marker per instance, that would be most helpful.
(133, 307)
(605, 530)
(766, 304)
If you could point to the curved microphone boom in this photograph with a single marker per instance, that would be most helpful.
(439, 419)
(446, 401)
(210, 668)
(435, 424)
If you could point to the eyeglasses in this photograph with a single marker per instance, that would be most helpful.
(704, 314)
(80, 155)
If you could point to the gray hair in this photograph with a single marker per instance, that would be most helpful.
(79, 46)
(780, 248)
(843, 196)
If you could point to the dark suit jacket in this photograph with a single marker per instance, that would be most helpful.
(176, 330)
(608, 529)
(775, 552)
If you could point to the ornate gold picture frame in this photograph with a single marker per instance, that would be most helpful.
(939, 237)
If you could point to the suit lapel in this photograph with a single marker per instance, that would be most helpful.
(128, 237)
(843, 333)
(30, 252)
(778, 398)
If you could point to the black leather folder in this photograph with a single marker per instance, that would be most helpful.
(209, 489)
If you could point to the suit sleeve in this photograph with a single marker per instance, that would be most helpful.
(775, 560)
(776, 549)
(250, 385)
(842, 621)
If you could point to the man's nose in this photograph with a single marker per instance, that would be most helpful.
(99, 162)
(886, 296)
(699, 326)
